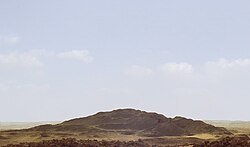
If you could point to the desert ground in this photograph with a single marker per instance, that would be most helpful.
(14, 136)
(15, 133)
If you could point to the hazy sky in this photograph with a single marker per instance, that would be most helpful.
(63, 59)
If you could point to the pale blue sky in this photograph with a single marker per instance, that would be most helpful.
(63, 59)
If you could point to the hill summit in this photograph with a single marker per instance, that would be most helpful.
(137, 122)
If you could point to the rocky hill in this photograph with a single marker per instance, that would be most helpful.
(137, 122)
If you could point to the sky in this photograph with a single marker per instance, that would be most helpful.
(63, 59)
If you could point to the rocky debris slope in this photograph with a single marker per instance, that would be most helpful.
(71, 142)
(236, 141)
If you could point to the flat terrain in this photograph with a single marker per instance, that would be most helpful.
(236, 127)
(21, 125)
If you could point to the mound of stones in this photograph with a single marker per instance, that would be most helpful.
(71, 142)
(236, 141)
